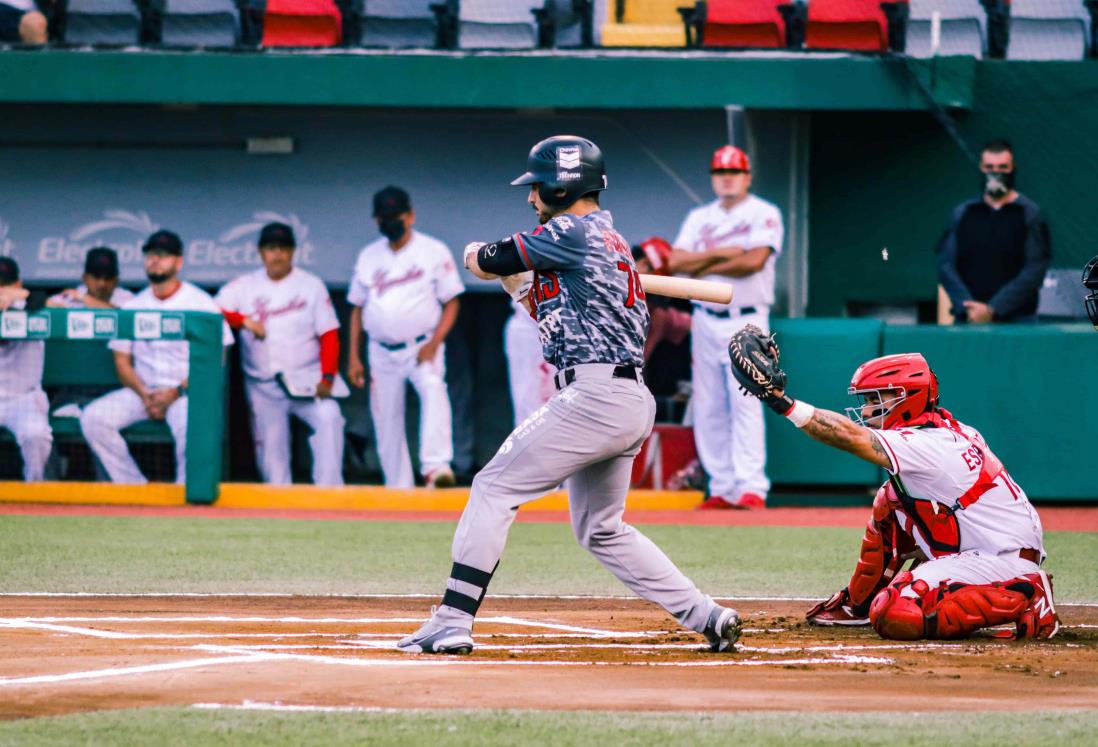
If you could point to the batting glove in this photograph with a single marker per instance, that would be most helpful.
(518, 285)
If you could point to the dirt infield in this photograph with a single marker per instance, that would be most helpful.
(61, 654)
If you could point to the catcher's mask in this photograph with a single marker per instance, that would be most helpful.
(895, 388)
(1090, 280)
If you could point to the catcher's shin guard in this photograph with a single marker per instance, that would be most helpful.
(949, 611)
(884, 547)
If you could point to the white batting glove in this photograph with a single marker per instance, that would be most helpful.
(471, 248)
(518, 285)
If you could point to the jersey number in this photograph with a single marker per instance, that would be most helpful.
(636, 290)
(546, 286)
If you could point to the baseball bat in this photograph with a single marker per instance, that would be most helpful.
(688, 288)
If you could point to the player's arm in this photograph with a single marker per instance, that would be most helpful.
(831, 428)
(127, 374)
(743, 264)
(560, 244)
(685, 262)
(446, 322)
(356, 372)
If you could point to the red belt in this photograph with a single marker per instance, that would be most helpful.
(1028, 553)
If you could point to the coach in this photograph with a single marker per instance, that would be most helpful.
(993, 258)
(289, 335)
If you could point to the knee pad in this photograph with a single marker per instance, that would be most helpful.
(897, 617)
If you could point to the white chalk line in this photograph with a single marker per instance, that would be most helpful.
(249, 705)
(42, 679)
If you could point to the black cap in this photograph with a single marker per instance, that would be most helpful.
(164, 242)
(9, 271)
(391, 201)
(277, 234)
(101, 262)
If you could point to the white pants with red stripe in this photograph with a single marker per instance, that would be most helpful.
(390, 371)
(728, 426)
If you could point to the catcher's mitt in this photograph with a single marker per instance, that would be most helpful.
(754, 356)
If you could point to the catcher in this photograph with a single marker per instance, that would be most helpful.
(949, 504)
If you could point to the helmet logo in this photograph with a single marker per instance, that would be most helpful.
(568, 157)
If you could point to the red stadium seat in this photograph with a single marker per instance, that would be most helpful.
(302, 23)
(858, 25)
(744, 23)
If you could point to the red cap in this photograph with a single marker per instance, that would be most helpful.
(658, 253)
(730, 157)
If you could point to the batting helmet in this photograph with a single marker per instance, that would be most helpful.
(565, 168)
(729, 157)
(909, 375)
(658, 253)
(1090, 280)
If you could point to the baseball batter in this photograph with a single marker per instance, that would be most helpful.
(949, 503)
(579, 273)
(24, 409)
(404, 295)
(153, 372)
(735, 239)
(288, 328)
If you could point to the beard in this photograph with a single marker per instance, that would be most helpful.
(156, 278)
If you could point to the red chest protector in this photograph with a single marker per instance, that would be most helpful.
(936, 522)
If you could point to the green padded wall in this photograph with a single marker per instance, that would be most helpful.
(1029, 389)
(819, 356)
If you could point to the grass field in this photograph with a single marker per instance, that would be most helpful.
(131, 554)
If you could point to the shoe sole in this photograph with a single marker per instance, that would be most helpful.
(836, 623)
(457, 649)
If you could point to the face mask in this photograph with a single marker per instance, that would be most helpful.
(156, 278)
(391, 228)
(997, 184)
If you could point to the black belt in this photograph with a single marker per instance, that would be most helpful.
(401, 345)
(727, 314)
(568, 375)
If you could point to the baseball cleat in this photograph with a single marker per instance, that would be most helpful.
(441, 478)
(723, 629)
(1040, 619)
(433, 638)
(838, 611)
(749, 501)
(714, 503)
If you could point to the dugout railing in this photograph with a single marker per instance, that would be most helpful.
(77, 354)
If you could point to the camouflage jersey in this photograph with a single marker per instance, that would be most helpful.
(589, 302)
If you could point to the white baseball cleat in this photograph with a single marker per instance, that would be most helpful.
(722, 630)
(433, 638)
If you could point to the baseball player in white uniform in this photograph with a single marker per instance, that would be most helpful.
(404, 295)
(949, 503)
(288, 328)
(99, 288)
(153, 372)
(530, 377)
(24, 409)
(735, 239)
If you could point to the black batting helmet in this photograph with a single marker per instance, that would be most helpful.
(565, 168)
(1090, 280)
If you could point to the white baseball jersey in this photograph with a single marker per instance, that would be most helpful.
(401, 293)
(119, 297)
(166, 363)
(751, 223)
(946, 469)
(295, 311)
(23, 5)
(21, 364)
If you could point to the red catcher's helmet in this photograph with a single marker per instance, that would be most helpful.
(729, 157)
(658, 253)
(907, 374)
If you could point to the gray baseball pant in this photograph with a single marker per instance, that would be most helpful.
(585, 436)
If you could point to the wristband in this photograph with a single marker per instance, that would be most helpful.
(801, 413)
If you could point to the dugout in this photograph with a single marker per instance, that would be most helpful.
(98, 147)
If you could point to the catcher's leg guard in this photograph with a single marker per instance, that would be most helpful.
(883, 548)
(897, 617)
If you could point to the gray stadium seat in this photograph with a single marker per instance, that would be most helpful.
(200, 23)
(102, 22)
(498, 24)
(963, 27)
(398, 23)
(1061, 295)
(1048, 30)
(569, 25)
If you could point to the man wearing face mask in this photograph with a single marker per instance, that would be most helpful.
(993, 258)
(404, 296)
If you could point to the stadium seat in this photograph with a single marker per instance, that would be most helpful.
(743, 23)
(858, 25)
(568, 23)
(102, 22)
(647, 23)
(302, 23)
(200, 23)
(498, 24)
(398, 23)
(1048, 30)
(963, 27)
